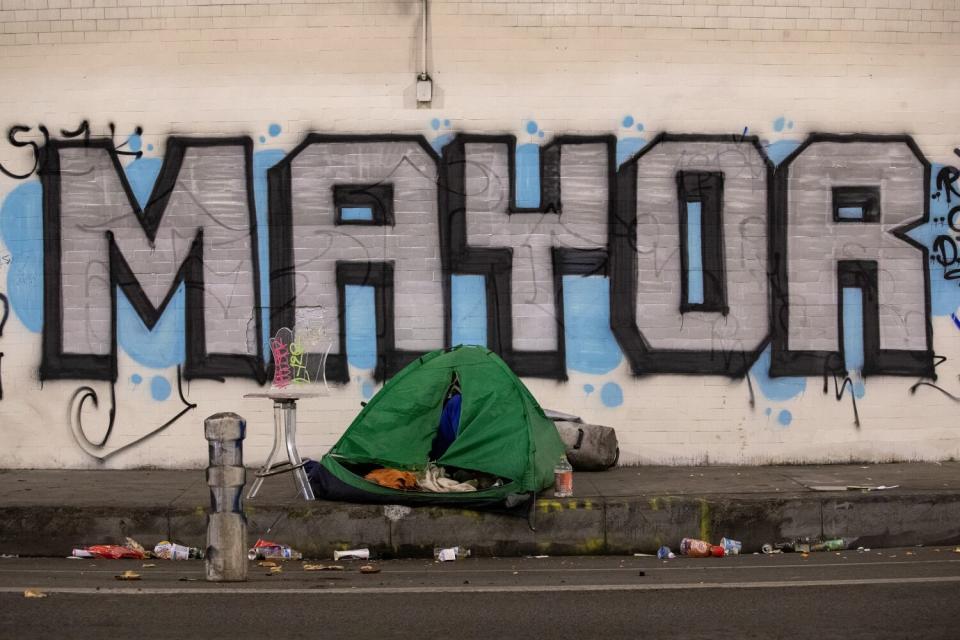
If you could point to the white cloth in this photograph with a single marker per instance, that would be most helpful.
(435, 479)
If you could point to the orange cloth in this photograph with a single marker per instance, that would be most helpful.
(393, 478)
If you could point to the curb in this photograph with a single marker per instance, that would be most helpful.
(568, 526)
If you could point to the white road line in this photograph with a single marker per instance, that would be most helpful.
(447, 570)
(216, 590)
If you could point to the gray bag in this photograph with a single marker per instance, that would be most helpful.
(590, 447)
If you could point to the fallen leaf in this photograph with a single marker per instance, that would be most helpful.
(369, 568)
(805, 555)
(323, 567)
(34, 593)
(276, 569)
(148, 565)
(128, 575)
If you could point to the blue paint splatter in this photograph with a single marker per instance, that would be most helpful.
(532, 127)
(468, 303)
(611, 395)
(852, 311)
(850, 213)
(366, 389)
(639, 126)
(446, 123)
(628, 121)
(540, 134)
(135, 142)
(778, 123)
(274, 130)
(694, 255)
(528, 176)
(142, 175)
(21, 225)
(263, 139)
(956, 321)
(162, 347)
(590, 345)
(262, 161)
(435, 124)
(136, 378)
(779, 150)
(775, 388)
(361, 327)
(790, 125)
(441, 141)
(588, 389)
(768, 411)
(859, 389)
(627, 147)
(785, 417)
(149, 147)
(159, 388)
(356, 213)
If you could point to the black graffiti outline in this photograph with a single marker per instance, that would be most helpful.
(88, 393)
(495, 264)
(12, 133)
(3, 322)
(643, 358)
(877, 361)
(839, 390)
(56, 364)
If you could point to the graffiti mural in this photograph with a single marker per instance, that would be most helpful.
(343, 259)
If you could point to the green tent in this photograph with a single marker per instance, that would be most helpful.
(502, 432)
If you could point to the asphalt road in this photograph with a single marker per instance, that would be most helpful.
(898, 593)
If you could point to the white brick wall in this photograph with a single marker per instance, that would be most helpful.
(703, 66)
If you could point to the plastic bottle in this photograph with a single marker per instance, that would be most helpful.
(837, 544)
(563, 478)
(695, 548)
(264, 550)
(167, 550)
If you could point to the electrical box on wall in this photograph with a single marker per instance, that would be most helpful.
(424, 88)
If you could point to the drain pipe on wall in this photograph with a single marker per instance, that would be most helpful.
(424, 81)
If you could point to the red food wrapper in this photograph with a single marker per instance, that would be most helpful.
(115, 552)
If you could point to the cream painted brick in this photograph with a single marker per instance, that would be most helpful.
(351, 66)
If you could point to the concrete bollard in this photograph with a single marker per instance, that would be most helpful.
(226, 555)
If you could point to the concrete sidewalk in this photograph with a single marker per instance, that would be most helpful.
(625, 510)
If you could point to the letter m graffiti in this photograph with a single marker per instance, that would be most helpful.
(197, 230)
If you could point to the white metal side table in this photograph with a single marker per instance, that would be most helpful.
(285, 432)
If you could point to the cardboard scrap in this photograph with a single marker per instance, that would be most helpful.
(128, 575)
